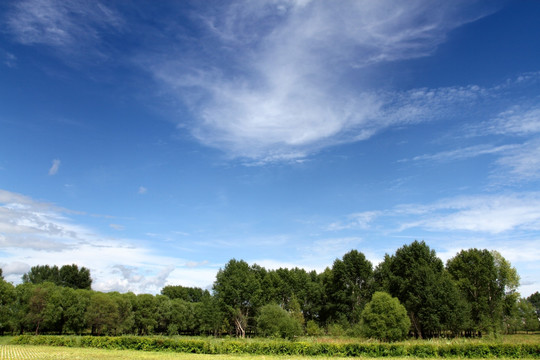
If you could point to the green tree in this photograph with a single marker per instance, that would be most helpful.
(238, 291)
(75, 305)
(20, 308)
(212, 318)
(384, 318)
(416, 276)
(42, 273)
(67, 275)
(190, 294)
(478, 278)
(351, 285)
(274, 321)
(73, 277)
(102, 314)
(146, 315)
(7, 298)
(534, 299)
(43, 310)
(126, 316)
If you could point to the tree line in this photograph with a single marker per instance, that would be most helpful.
(473, 294)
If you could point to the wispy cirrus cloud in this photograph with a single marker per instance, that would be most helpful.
(278, 87)
(464, 153)
(73, 28)
(489, 214)
(521, 163)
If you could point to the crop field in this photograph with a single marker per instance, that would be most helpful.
(24, 352)
(10, 349)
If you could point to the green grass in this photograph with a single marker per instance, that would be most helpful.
(23, 352)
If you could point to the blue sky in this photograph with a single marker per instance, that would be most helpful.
(153, 142)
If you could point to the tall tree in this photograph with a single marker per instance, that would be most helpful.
(351, 285)
(534, 299)
(7, 297)
(68, 275)
(146, 315)
(41, 273)
(238, 291)
(190, 294)
(73, 277)
(479, 280)
(102, 314)
(416, 276)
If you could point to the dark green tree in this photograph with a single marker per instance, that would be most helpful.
(43, 309)
(75, 304)
(534, 299)
(75, 278)
(384, 318)
(416, 276)
(351, 285)
(212, 317)
(68, 275)
(190, 294)
(102, 314)
(7, 298)
(41, 273)
(126, 316)
(238, 291)
(476, 276)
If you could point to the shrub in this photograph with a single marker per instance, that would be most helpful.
(384, 318)
(276, 322)
(313, 329)
(335, 330)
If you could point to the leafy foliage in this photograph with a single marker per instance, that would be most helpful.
(438, 300)
(384, 318)
(68, 275)
(277, 322)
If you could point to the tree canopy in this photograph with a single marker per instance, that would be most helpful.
(68, 276)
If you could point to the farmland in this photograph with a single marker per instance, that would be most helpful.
(514, 346)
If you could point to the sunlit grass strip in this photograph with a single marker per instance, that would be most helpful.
(19, 353)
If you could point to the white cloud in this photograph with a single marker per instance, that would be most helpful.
(54, 167)
(360, 220)
(36, 233)
(489, 214)
(17, 268)
(522, 163)
(464, 153)
(142, 190)
(515, 121)
(71, 27)
(287, 93)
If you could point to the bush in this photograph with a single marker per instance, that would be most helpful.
(335, 330)
(313, 329)
(384, 318)
(276, 322)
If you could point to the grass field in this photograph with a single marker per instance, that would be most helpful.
(19, 352)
